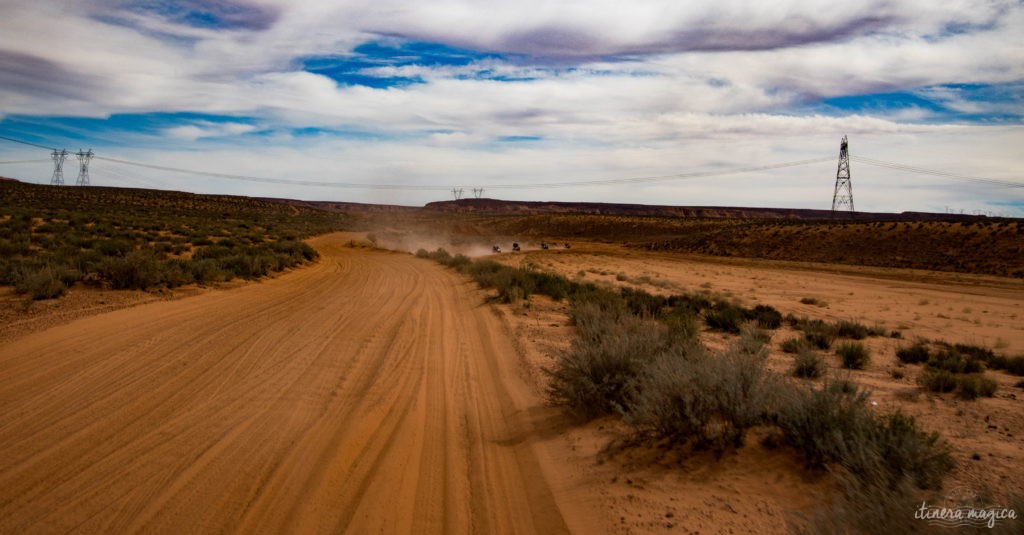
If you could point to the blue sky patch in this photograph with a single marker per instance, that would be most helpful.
(973, 103)
(213, 14)
(356, 68)
(517, 139)
(111, 131)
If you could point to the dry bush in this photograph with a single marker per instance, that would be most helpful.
(854, 355)
(708, 400)
(808, 364)
(833, 424)
(594, 377)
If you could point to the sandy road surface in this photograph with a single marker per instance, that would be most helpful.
(369, 393)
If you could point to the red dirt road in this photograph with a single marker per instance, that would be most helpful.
(368, 393)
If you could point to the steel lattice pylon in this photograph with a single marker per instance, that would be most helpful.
(57, 179)
(83, 167)
(842, 199)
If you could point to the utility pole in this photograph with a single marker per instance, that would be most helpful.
(478, 192)
(842, 199)
(457, 192)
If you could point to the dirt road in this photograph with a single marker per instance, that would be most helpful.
(369, 393)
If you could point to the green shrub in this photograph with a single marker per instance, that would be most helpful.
(952, 361)
(683, 323)
(851, 329)
(819, 333)
(795, 345)
(641, 303)
(854, 355)
(138, 270)
(808, 364)
(39, 282)
(974, 385)
(976, 352)
(725, 317)
(1013, 365)
(934, 380)
(767, 317)
(914, 354)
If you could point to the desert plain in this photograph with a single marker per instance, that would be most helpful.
(371, 391)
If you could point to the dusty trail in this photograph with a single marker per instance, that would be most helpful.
(368, 393)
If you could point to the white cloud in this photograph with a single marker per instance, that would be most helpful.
(605, 88)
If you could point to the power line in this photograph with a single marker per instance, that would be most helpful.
(14, 162)
(536, 185)
(932, 172)
(29, 143)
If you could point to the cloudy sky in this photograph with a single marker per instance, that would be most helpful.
(399, 102)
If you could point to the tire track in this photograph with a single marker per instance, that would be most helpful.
(365, 393)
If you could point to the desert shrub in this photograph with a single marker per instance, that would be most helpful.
(1014, 365)
(813, 301)
(854, 355)
(138, 270)
(983, 354)
(641, 303)
(808, 364)
(694, 303)
(114, 247)
(214, 252)
(914, 354)
(952, 361)
(590, 294)
(725, 317)
(709, 400)
(553, 286)
(682, 323)
(39, 282)
(205, 271)
(934, 380)
(593, 377)
(459, 262)
(795, 345)
(819, 333)
(908, 451)
(834, 424)
(484, 272)
(767, 317)
(753, 340)
(828, 424)
(974, 385)
(851, 329)
(250, 264)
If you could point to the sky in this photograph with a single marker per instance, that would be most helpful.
(725, 103)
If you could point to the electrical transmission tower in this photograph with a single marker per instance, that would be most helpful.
(83, 167)
(478, 192)
(457, 192)
(58, 167)
(843, 196)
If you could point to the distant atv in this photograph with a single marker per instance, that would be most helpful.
(567, 245)
(515, 246)
(544, 245)
(496, 249)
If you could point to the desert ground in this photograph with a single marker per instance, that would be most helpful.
(373, 391)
